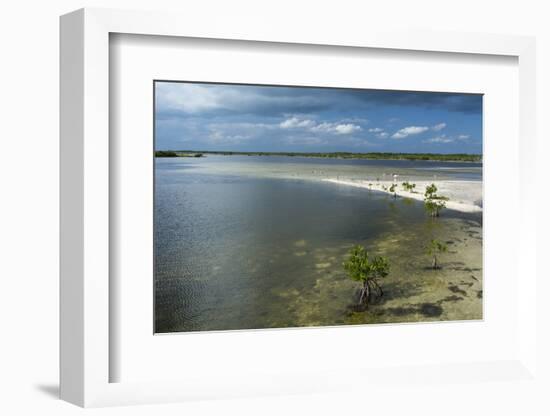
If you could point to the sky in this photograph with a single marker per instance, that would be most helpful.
(198, 116)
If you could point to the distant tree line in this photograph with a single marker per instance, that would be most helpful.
(165, 153)
(171, 153)
(454, 157)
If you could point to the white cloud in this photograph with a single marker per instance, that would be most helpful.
(241, 126)
(409, 131)
(218, 137)
(443, 138)
(324, 127)
(439, 127)
(295, 122)
(172, 98)
(378, 132)
(440, 139)
(236, 133)
(188, 98)
(346, 128)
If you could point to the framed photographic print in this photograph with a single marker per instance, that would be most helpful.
(280, 206)
(240, 211)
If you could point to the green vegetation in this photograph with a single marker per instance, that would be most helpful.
(432, 202)
(392, 190)
(431, 191)
(435, 248)
(455, 157)
(171, 153)
(164, 153)
(434, 207)
(409, 186)
(361, 268)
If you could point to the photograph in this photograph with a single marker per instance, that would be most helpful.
(210, 205)
(298, 206)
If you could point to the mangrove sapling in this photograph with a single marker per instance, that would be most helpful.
(433, 207)
(434, 249)
(361, 268)
(431, 191)
(432, 202)
(392, 190)
(409, 186)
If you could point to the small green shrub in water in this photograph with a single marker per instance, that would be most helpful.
(361, 268)
(434, 249)
(392, 190)
(432, 202)
(431, 191)
(407, 186)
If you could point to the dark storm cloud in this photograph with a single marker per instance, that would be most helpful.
(268, 118)
(464, 103)
(173, 99)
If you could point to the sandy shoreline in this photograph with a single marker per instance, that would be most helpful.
(464, 196)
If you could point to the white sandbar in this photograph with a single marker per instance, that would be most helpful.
(464, 196)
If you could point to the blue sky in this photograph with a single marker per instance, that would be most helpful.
(196, 116)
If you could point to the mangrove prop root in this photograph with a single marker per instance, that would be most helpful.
(369, 289)
(377, 287)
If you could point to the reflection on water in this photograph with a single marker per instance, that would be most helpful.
(252, 242)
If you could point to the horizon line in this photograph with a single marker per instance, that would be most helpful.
(312, 153)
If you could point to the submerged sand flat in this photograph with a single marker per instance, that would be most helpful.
(416, 292)
(413, 291)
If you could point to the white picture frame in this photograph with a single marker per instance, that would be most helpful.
(85, 210)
